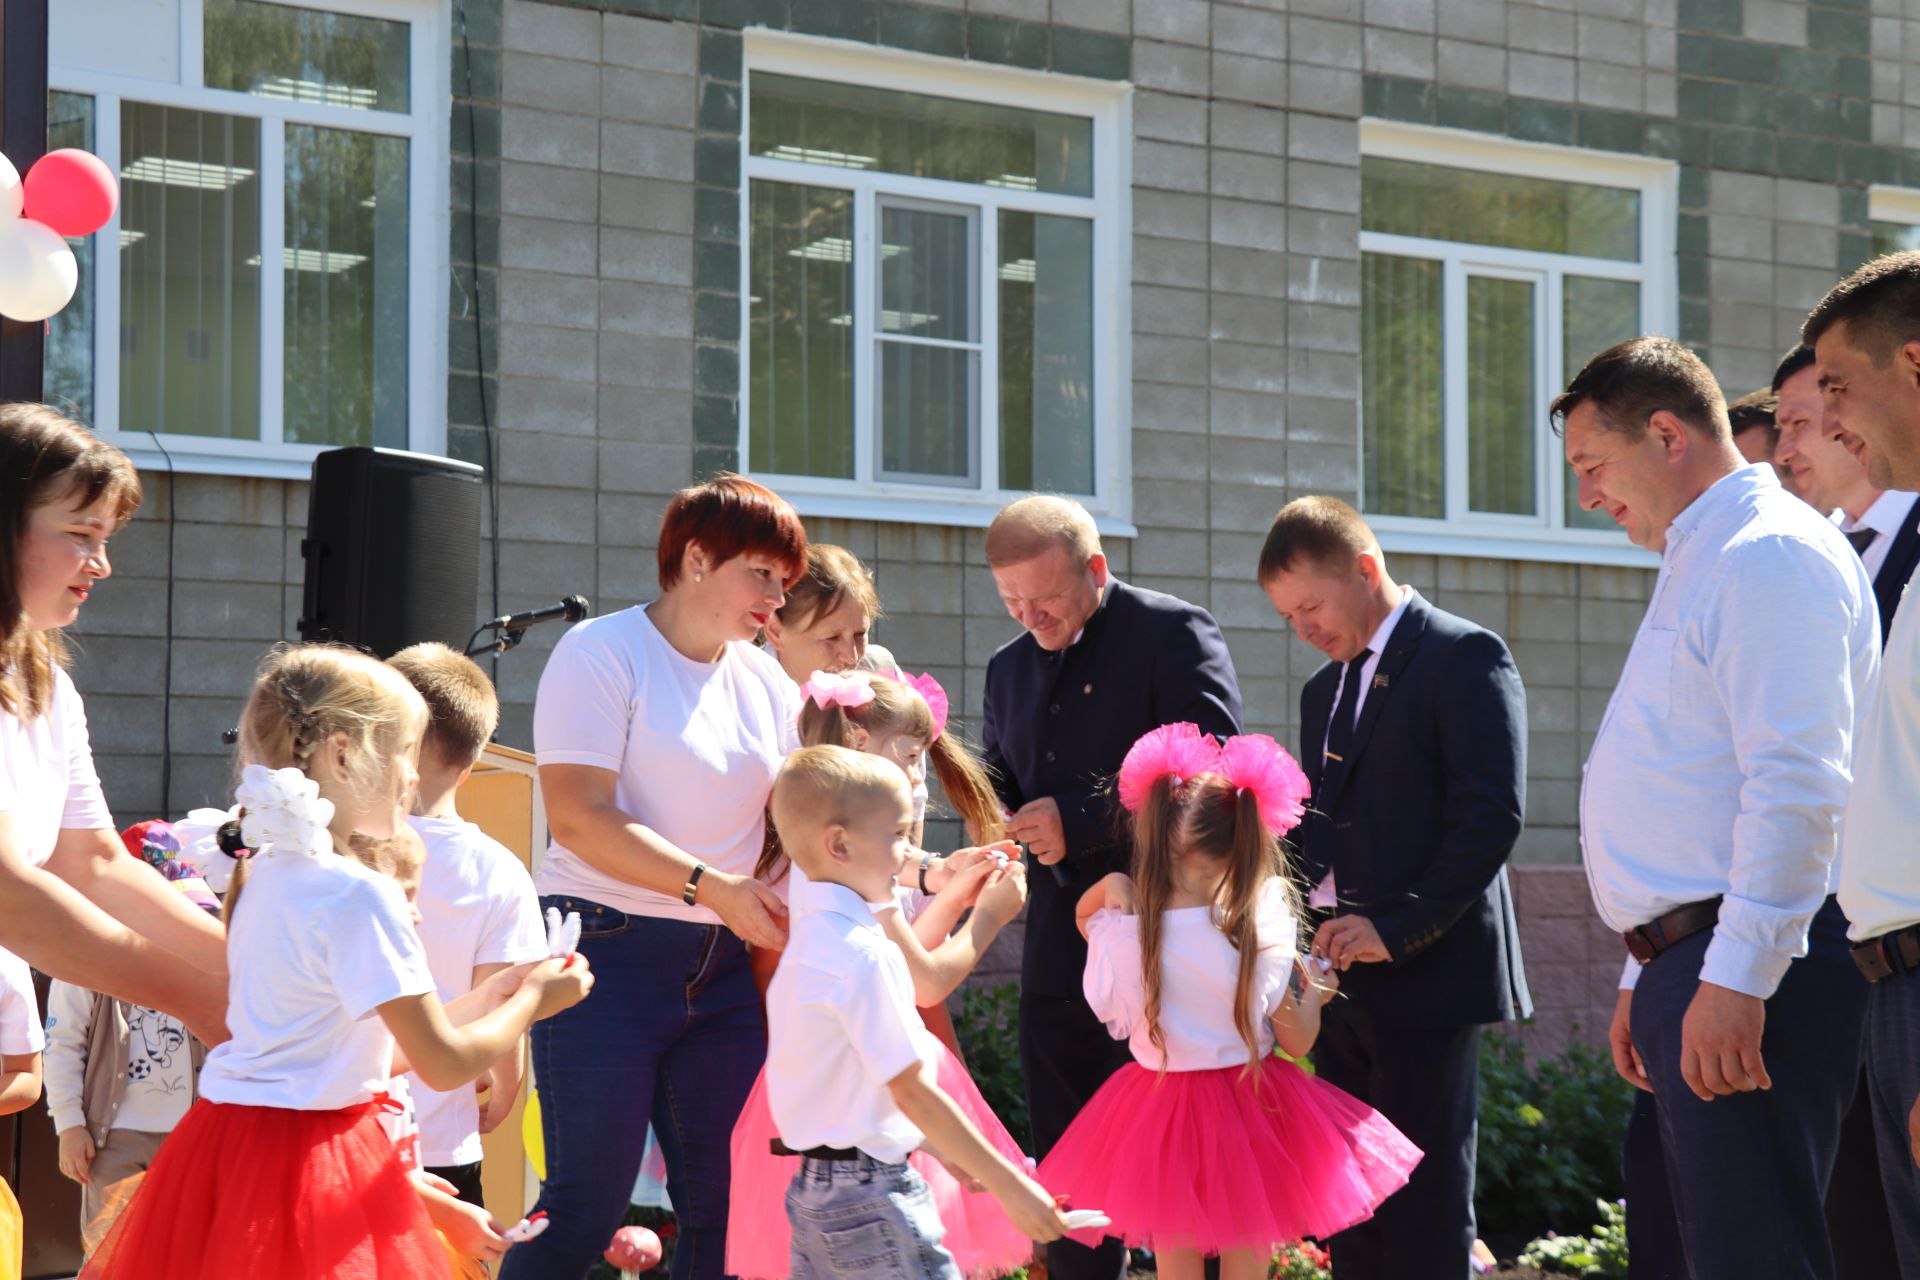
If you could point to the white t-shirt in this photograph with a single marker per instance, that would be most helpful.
(47, 781)
(695, 745)
(840, 1025)
(477, 906)
(1199, 972)
(318, 943)
(20, 1026)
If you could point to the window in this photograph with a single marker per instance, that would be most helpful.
(1490, 272)
(267, 288)
(932, 300)
(1895, 219)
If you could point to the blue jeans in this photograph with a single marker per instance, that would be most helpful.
(673, 1032)
(865, 1218)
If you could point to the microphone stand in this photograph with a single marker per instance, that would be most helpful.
(501, 642)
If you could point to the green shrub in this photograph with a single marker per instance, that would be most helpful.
(1303, 1261)
(988, 1024)
(1601, 1256)
(1550, 1137)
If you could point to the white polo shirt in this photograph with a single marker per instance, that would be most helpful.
(841, 1025)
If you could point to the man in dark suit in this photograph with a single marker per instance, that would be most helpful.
(1100, 664)
(1414, 738)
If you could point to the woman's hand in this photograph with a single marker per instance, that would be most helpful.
(749, 908)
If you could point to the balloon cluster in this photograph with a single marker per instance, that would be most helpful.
(66, 193)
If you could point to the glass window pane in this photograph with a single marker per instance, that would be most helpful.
(926, 274)
(855, 127)
(345, 272)
(1407, 198)
(279, 51)
(1046, 353)
(1402, 404)
(69, 367)
(1892, 237)
(1502, 403)
(800, 330)
(1597, 314)
(927, 411)
(189, 272)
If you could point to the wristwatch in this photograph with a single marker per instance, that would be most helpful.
(926, 861)
(693, 883)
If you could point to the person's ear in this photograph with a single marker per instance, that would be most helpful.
(1097, 567)
(1367, 565)
(834, 839)
(695, 563)
(1908, 359)
(776, 633)
(1669, 433)
(857, 735)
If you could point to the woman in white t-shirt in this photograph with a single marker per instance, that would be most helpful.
(659, 730)
(72, 903)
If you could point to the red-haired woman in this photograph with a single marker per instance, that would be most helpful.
(71, 902)
(658, 731)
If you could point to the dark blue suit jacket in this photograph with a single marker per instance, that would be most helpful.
(1419, 826)
(1058, 724)
(1903, 557)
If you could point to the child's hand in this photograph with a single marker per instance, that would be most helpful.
(1319, 982)
(495, 1104)
(500, 986)
(1004, 894)
(963, 887)
(960, 860)
(1113, 892)
(1035, 1213)
(562, 984)
(474, 1232)
(76, 1154)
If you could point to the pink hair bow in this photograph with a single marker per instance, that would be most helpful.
(1177, 750)
(929, 688)
(829, 690)
(1254, 762)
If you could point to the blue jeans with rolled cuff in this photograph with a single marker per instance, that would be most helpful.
(673, 1033)
(865, 1218)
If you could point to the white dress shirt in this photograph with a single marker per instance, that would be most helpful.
(1722, 763)
(1879, 889)
(1325, 894)
(1888, 512)
(841, 1025)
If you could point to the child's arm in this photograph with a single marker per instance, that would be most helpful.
(445, 1057)
(937, 973)
(506, 1073)
(1296, 1021)
(469, 1228)
(64, 1071)
(950, 1132)
(1114, 891)
(954, 893)
(19, 1082)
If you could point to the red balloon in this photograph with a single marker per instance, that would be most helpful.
(634, 1249)
(71, 191)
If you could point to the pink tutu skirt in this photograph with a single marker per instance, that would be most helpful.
(1200, 1160)
(978, 1234)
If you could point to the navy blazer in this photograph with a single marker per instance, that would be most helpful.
(1419, 826)
(1058, 724)
(1903, 557)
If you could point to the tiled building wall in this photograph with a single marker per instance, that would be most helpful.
(594, 323)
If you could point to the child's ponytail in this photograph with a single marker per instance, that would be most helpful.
(967, 787)
(1152, 869)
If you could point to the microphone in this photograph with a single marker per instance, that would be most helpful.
(573, 608)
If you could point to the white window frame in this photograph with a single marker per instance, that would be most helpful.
(1109, 105)
(425, 125)
(1537, 537)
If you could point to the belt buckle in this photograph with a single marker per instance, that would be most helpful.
(1870, 957)
(1639, 946)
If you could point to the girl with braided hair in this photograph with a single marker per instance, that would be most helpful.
(282, 1168)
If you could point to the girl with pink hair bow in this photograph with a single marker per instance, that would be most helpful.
(1230, 1150)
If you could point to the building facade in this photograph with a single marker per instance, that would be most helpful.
(1184, 259)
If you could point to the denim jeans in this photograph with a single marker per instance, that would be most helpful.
(867, 1219)
(673, 1033)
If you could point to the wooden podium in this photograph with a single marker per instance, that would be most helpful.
(503, 799)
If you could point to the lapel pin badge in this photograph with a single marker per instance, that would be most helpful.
(1379, 682)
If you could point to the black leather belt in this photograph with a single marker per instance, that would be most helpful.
(1655, 936)
(1888, 954)
(780, 1148)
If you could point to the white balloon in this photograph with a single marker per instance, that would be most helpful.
(13, 196)
(37, 270)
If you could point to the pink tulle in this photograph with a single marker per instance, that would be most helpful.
(1255, 762)
(827, 690)
(936, 697)
(981, 1239)
(1177, 749)
(1200, 1160)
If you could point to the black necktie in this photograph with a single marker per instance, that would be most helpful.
(1340, 732)
(1862, 539)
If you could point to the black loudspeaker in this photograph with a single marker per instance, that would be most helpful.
(392, 549)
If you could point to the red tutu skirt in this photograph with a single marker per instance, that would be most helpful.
(261, 1191)
(979, 1235)
(1201, 1160)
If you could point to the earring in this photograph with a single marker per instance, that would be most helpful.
(699, 577)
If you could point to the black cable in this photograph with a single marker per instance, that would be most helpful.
(479, 333)
(166, 678)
